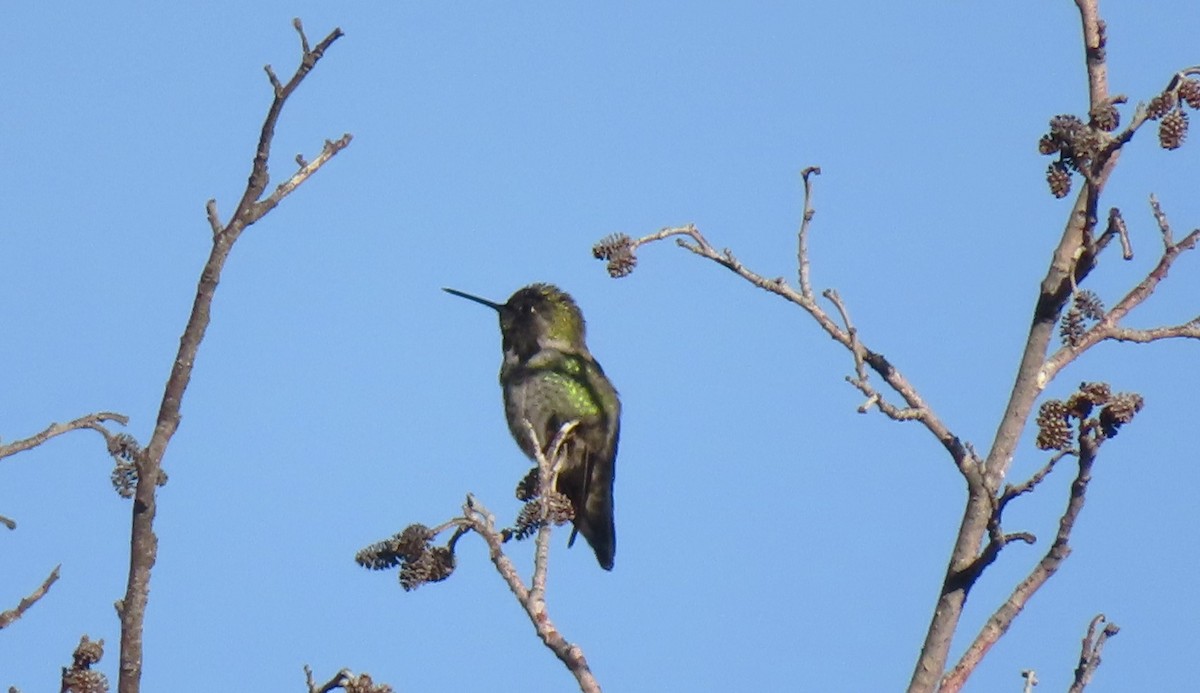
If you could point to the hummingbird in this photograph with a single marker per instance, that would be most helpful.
(549, 378)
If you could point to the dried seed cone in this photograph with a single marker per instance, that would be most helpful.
(528, 521)
(1160, 105)
(413, 542)
(363, 683)
(83, 681)
(442, 563)
(1106, 117)
(88, 652)
(1189, 92)
(618, 250)
(1065, 127)
(1058, 177)
(1090, 305)
(1172, 131)
(1119, 412)
(1072, 327)
(124, 479)
(559, 509)
(1097, 393)
(434, 565)
(1054, 431)
(527, 488)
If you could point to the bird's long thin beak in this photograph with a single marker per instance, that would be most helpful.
(470, 297)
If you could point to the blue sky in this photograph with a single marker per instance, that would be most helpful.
(770, 538)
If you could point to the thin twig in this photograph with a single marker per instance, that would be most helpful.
(1164, 226)
(1109, 327)
(855, 346)
(335, 682)
(1118, 229)
(92, 421)
(214, 218)
(7, 617)
(1011, 491)
(802, 236)
(690, 238)
(1187, 330)
(1089, 654)
(346, 680)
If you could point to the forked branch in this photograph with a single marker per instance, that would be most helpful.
(545, 508)
(1089, 654)
(1091, 148)
(1000, 621)
(1109, 327)
(250, 208)
(620, 252)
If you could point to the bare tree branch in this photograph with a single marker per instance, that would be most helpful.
(92, 421)
(251, 208)
(7, 617)
(1011, 492)
(690, 238)
(1109, 326)
(1084, 147)
(544, 509)
(1164, 226)
(1116, 227)
(1000, 621)
(1072, 261)
(533, 598)
(1089, 655)
(1188, 330)
(802, 236)
(1095, 47)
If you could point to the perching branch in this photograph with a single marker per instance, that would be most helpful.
(251, 208)
(532, 598)
(544, 509)
(7, 617)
